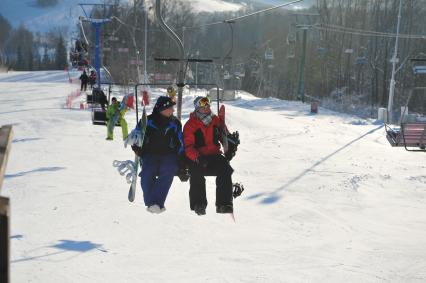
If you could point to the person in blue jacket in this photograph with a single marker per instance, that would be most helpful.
(162, 154)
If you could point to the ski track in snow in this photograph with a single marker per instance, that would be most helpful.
(326, 198)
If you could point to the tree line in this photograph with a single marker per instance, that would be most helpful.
(349, 44)
(349, 47)
(23, 50)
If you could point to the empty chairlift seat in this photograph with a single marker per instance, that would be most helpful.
(409, 135)
(412, 131)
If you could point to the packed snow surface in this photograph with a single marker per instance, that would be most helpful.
(326, 198)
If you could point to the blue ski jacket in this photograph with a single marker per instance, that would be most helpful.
(162, 135)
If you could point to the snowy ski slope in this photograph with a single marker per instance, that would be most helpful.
(327, 199)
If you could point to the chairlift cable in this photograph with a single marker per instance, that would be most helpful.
(244, 16)
(365, 32)
(262, 11)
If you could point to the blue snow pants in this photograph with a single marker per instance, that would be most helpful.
(157, 177)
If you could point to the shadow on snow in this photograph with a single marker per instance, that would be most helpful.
(64, 246)
(41, 169)
(273, 197)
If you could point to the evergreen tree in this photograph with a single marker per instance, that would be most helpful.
(45, 62)
(4, 35)
(37, 61)
(60, 54)
(19, 59)
(30, 60)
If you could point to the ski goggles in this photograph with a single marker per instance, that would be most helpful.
(204, 102)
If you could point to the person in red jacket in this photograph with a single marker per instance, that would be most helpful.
(92, 78)
(202, 138)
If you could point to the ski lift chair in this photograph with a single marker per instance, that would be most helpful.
(99, 101)
(412, 131)
(233, 138)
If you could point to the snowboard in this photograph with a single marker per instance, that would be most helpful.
(132, 189)
(225, 131)
(114, 119)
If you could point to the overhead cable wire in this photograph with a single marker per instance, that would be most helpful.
(227, 20)
(244, 16)
(372, 32)
(348, 30)
(263, 11)
(125, 24)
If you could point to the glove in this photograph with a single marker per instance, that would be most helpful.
(233, 142)
(134, 137)
(181, 161)
(138, 150)
(202, 161)
(183, 174)
(238, 189)
(230, 153)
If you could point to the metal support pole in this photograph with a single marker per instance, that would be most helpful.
(196, 71)
(229, 54)
(181, 72)
(196, 75)
(301, 87)
(145, 74)
(394, 61)
(97, 59)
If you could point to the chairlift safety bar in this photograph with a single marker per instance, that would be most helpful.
(166, 85)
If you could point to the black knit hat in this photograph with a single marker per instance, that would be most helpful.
(163, 102)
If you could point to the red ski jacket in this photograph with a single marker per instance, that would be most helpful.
(201, 140)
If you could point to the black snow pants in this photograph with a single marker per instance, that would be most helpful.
(220, 167)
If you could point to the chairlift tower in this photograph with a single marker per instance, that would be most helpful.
(96, 25)
(394, 61)
(304, 22)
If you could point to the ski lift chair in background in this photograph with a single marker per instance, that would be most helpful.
(412, 131)
(99, 102)
(99, 112)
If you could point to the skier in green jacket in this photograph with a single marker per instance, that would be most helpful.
(113, 115)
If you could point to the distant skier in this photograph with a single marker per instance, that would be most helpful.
(84, 79)
(162, 154)
(92, 78)
(202, 138)
(113, 114)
